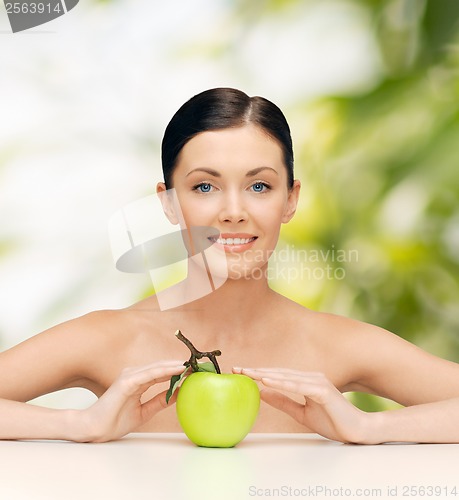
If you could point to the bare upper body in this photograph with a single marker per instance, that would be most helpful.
(92, 351)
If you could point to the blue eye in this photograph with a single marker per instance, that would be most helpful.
(260, 187)
(204, 187)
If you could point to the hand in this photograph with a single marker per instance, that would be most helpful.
(326, 411)
(120, 410)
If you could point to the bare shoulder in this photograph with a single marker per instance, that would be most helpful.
(74, 339)
(119, 331)
(382, 362)
(326, 332)
(360, 339)
(348, 350)
(339, 330)
(87, 351)
(57, 358)
(355, 340)
(328, 327)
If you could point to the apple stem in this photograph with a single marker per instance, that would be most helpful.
(195, 354)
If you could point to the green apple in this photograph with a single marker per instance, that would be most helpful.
(217, 410)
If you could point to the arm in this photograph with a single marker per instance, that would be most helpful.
(118, 412)
(426, 385)
(24, 421)
(382, 364)
(55, 359)
(62, 357)
(426, 423)
(327, 412)
(389, 366)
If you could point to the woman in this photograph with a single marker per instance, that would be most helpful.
(228, 159)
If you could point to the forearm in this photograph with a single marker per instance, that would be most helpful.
(435, 422)
(27, 421)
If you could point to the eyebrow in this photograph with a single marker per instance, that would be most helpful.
(214, 173)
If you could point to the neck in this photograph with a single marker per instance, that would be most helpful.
(237, 300)
(233, 307)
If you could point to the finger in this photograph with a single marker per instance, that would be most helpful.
(316, 391)
(157, 364)
(283, 384)
(304, 378)
(279, 374)
(251, 372)
(238, 369)
(156, 374)
(284, 371)
(283, 403)
(156, 404)
(301, 386)
(137, 383)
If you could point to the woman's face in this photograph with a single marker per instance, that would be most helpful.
(235, 180)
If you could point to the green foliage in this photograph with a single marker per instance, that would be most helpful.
(370, 402)
(379, 173)
(176, 380)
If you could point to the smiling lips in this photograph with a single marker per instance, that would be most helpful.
(234, 241)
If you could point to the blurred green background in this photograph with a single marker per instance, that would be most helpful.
(381, 173)
(378, 155)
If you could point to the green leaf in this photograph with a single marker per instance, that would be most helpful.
(177, 379)
(206, 367)
(175, 382)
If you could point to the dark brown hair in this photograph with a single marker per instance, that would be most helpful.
(218, 109)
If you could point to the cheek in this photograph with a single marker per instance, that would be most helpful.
(198, 212)
(270, 213)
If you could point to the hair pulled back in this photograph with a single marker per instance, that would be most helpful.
(222, 108)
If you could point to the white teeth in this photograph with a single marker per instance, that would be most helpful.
(234, 241)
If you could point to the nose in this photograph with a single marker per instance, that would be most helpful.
(233, 208)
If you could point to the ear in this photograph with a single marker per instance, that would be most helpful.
(292, 201)
(167, 202)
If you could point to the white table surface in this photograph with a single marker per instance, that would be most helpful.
(168, 466)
